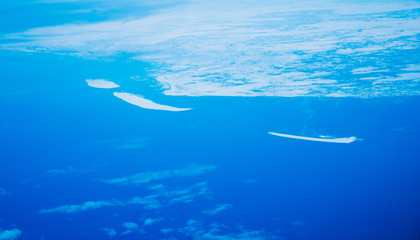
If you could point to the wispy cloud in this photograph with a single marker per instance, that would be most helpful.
(10, 234)
(82, 207)
(101, 83)
(146, 177)
(145, 103)
(255, 48)
(152, 201)
(168, 198)
(219, 208)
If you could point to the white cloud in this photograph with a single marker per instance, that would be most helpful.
(219, 208)
(10, 234)
(82, 207)
(328, 140)
(101, 83)
(252, 48)
(146, 177)
(145, 103)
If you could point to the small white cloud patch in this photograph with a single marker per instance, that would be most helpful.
(10, 234)
(101, 83)
(145, 103)
(329, 140)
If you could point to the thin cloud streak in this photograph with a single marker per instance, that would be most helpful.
(328, 140)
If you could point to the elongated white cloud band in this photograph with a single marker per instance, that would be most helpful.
(328, 140)
(257, 48)
(101, 83)
(145, 103)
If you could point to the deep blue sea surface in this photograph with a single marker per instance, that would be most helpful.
(76, 162)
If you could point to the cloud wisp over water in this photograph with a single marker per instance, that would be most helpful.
(163, 198)
(257, 48)
(328, 140)
(219, 208)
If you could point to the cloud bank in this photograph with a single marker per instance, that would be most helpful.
(256, 48)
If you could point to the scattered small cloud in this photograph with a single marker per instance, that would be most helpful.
(110, 232)
(146, 177)
(219, 208)
(130, 227)
(145, 103)
(150, 221)
(198, 230)
(168, 198)
(101, 83)
(153, 201)
(10, 234)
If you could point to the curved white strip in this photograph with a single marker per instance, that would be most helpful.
(330, 140)
(101, 83)
(144, 103)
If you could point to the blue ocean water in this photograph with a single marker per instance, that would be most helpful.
(79, 163)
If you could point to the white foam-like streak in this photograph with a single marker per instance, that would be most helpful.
(101, 83)
(329, 140)
(145, 103)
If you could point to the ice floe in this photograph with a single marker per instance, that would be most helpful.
(322, 139)
(101, 83)
(145, 103)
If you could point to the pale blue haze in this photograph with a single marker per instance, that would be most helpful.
(213, 120)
